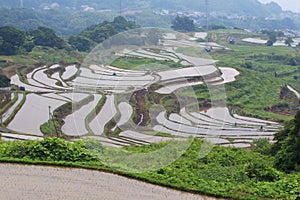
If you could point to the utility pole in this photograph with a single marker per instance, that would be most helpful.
(49, 121)
(206, 14)
(120, 7)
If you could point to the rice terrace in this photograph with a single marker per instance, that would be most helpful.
(101, 103)
(209, 111)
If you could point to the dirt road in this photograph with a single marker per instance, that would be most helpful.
(40, 182)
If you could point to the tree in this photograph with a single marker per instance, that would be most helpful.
(12, 40)
(4, 81)
(272, 36)
(287, 147)
(183, 24)
(100, 32)
(81, 43)
(44, 36)
(288, 41)
(269, 43)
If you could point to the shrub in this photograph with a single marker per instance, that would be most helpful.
(49, 149)
(263, 146)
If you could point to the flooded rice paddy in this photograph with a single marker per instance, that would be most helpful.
(76, 85)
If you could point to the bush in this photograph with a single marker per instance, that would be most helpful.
(287, 147)
(263, 146)
(49, 149)
(262, 171)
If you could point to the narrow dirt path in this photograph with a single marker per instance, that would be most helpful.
(40, 182)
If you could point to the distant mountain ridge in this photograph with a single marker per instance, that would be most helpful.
(239, 7)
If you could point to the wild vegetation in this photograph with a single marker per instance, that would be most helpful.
(69, 18)
(14, 41)
(225, 172)
(98, 33)
(265, 171)
(183, 24)
(231, 6)
(264, 72)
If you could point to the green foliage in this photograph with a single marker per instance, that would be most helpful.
(247, 65)
(14, 41)
(225, 172)
(256, 88)
(81, 43)
(18, 107)
(144, 63)
(272, 36)
(100, 32)
(11, 40)
(261, 170)
(288, 41)
(8, 105)
(228, 6)
(184, 24)
(44, 36)
(4, 81)
(48, 149)
(263, 146)
(95, 148)
(287, 147)
(269, 43)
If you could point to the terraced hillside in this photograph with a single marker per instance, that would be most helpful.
(133, 89)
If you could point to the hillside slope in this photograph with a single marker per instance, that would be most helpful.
(241, 7)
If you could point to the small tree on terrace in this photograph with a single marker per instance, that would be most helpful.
(183, 24)
(288, 41)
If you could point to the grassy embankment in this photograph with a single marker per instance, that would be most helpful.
(224, 172)
(264, 71)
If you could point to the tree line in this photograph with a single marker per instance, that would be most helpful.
(14, 41)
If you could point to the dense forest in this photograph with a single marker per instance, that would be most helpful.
(14, 41)
(98, 33)
(67, 21)
(18, 42)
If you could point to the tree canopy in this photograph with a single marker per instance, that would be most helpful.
(272, 36)
(11, 40)
(100, 32)
(14, 41)
(44, 36)
(4, 81)
(287, 147)
(183, 24)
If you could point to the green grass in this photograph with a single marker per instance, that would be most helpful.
(15, 111)
(49, 56)
(257, 88)
(11, 103)
(41, 56)
(136, 63)
(225, 172)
